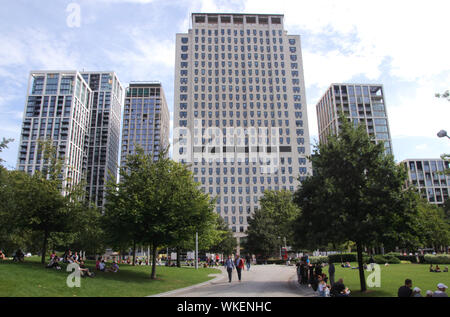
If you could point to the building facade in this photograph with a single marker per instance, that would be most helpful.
(146, 119)
(427, 176)
(240, 117)
(362, 104)
(104, 133)
(57, 108)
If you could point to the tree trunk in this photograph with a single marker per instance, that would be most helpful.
(360, 266)
(178, 257)
(134, 252)
(44, 247)
(154, 255)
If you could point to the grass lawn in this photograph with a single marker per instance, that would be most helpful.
(33, 279)
(392, 277)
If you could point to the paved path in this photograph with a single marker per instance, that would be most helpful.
(260, 281)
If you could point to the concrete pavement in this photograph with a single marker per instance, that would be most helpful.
(260, 281)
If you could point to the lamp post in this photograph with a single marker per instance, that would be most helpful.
(443, 134)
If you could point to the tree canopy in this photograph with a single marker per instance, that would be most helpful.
(356, 193)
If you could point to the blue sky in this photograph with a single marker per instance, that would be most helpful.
(402, 44)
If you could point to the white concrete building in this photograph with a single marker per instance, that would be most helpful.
(362, 104)
(57, 108)
(104, 132)
(240, 115)
(427, 176)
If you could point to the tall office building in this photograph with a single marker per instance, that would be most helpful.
(427, 176)
(362, 104)
(57, 108)
(146, 119)
(240, 110)
(104, 133)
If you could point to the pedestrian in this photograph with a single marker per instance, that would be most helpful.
(229, 264)
(331, 271)
(239, 264)
(441, 291)
(248, 260)
(405, 290)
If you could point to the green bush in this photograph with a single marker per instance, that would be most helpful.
(410, 258)
(318, 259)
(345, 257)
(382, 259)
(437, 259)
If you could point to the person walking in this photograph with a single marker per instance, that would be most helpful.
(248, 260)
(229, 264)
(331, 271)
(239, 264)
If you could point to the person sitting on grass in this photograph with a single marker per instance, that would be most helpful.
(114, 267)
(339, 289)
(440, 291)
(19, 256)
(431, 268)
(445, 269)
(97, 263)
(102, 266)
(429, 294)
(405, 290)
(437, 269)
(85, 271)
(416, 292)
(2, 255)
(54, 263)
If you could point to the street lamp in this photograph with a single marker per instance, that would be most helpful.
(443, 134)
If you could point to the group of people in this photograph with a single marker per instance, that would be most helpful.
(101, 265)
(19, 256)
(67, 258)
(237, 263)
(313, 276)
(407, 290)
(437, 269)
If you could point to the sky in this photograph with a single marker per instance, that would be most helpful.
(402, 44)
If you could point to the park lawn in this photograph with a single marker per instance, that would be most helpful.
(392, 277)
(31, 279)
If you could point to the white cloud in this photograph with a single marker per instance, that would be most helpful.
(412, 33)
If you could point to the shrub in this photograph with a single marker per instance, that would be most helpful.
(437, 259)
(380, 259)
(318, 259)
(346, 257)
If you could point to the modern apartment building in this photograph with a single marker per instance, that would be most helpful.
(240, 117)
(427, 176)
(146, 119)
(104, 133)
(362, 104)
(57, 108)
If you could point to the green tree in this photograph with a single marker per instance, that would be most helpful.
(431, 224)
(355, 194)
(4, 145)
(225, 243)
(156, 202)
(272, 225)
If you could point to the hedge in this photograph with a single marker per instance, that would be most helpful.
(318, 259)
(344, 257)
(437, 259)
